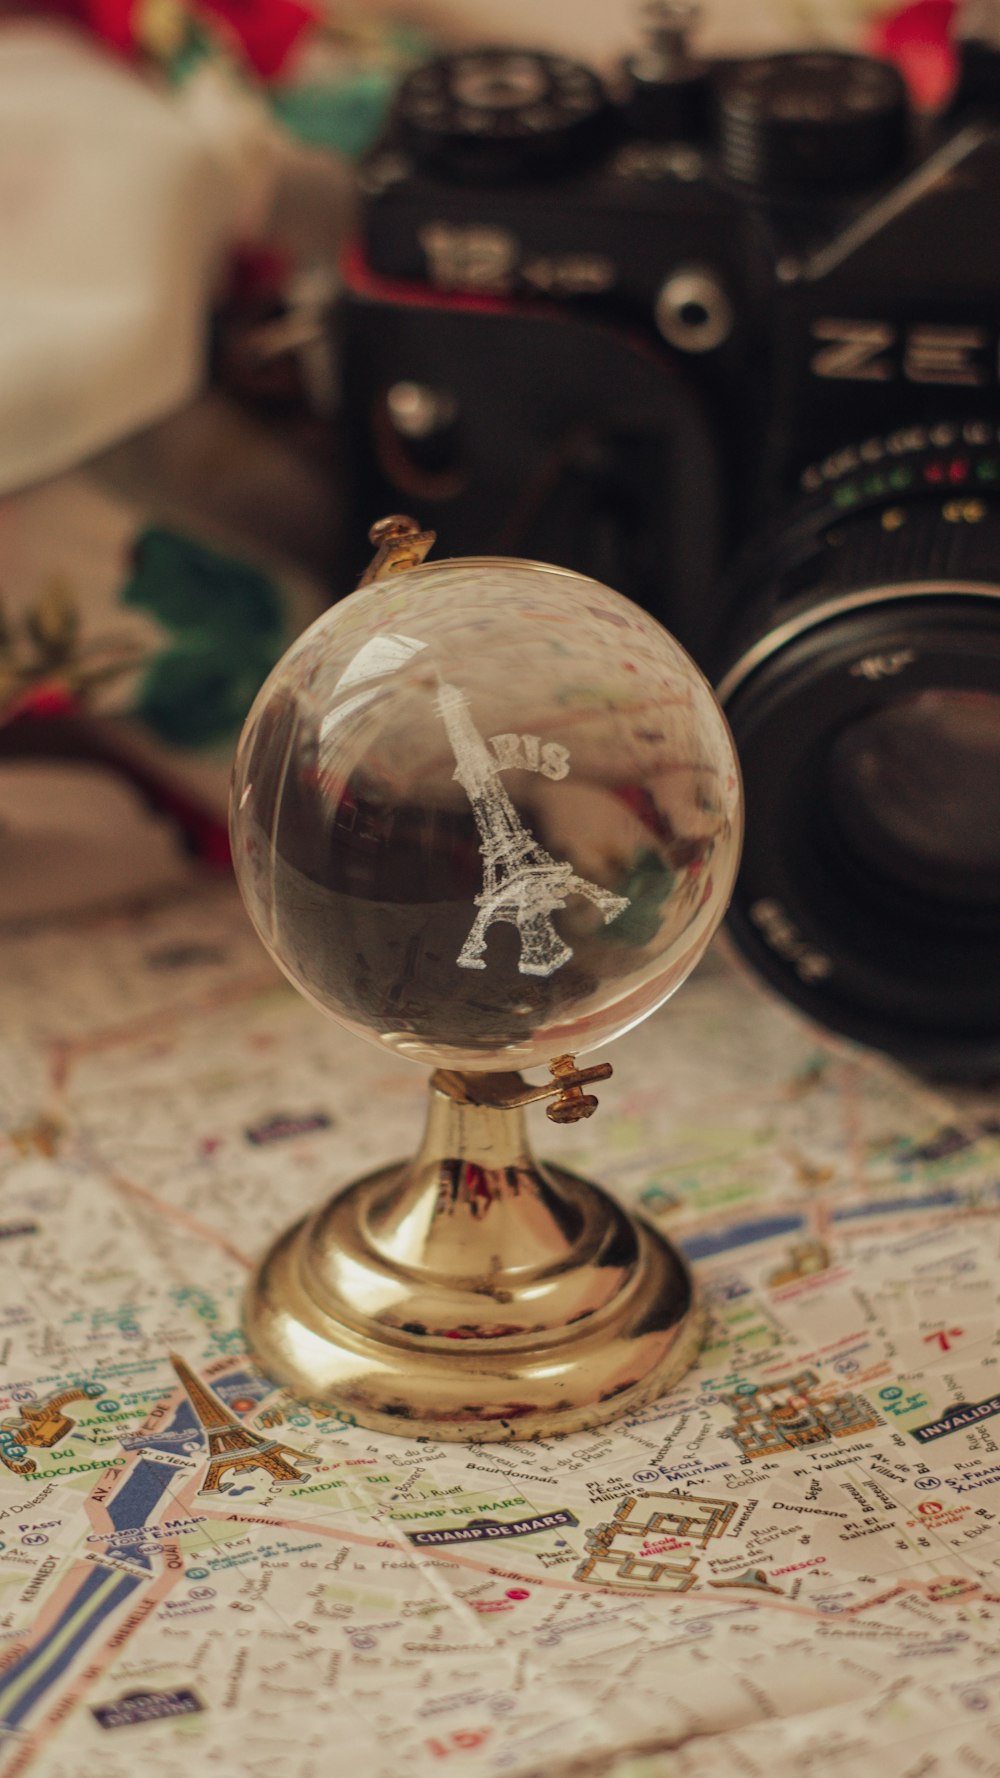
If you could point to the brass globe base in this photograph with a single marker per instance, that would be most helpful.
(474, 1293)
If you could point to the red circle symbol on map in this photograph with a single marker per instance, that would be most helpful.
(518, 1593)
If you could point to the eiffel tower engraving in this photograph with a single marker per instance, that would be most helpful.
(231, 1445)
(522, 883)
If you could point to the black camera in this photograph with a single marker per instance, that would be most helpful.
(729, 341)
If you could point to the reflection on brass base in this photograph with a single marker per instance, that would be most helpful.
(474, 1293)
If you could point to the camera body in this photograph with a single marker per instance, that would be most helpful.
(730, 343)
(575, 333)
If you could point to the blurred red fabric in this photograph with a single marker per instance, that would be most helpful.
(264, 31)
(918, 38)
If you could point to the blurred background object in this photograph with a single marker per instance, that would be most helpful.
(166, 454)
(176, 186)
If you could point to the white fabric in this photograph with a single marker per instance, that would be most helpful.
(117, 202)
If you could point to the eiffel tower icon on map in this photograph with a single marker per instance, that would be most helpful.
(230, 1444)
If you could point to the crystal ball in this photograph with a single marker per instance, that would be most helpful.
(486, 812)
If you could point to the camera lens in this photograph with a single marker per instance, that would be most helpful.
(915, 788)
(864, 698)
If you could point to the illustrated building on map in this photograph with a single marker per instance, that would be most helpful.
(42, 1424)
(786, 1414)
(803, 1259)
(231, 1445)
(635, 1547)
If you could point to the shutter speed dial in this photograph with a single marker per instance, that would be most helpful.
(812, 121)
(493, 114)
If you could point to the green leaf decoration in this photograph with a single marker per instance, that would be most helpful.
(648, 884)
(227, 618)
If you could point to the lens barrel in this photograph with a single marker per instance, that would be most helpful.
(864, 698)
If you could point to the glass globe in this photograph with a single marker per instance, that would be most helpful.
(486, 812)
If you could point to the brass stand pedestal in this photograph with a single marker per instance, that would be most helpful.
(472, 1292)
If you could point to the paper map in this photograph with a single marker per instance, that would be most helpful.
(790, 1565)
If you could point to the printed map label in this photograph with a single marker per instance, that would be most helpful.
(134, 1707)
(281, 1128)
(479, 1529)
(964, 1413)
